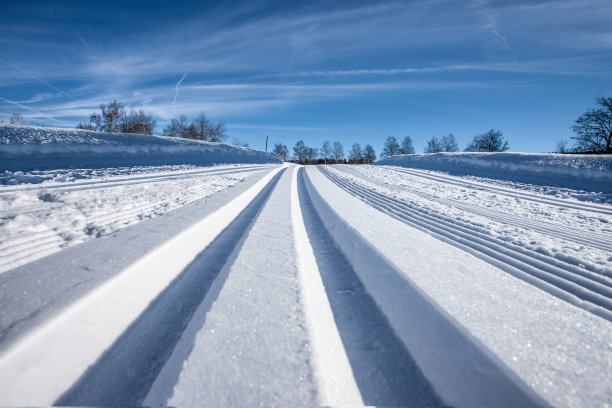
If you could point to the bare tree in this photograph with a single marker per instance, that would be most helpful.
(85, 125)
(280, 151)
(326, 151)
(391, 147)
(449, 144)
(562, 146)
(433, 145)
(17, 119)
(406, 146)
(219, 133)
(236, 142)
(137, 122)
(355, 156)
(594, 128)
(111, 116)
(338, 152)
(311, 155)
(492, 141)
(204, 127)
(192, 132)
(299, 152)
(369, 155)
(178, 127)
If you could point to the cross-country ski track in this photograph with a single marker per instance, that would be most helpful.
(307, 285)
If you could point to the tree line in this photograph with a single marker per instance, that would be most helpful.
(593, 134)
(327, 154)
(114, 118)
(491, 141)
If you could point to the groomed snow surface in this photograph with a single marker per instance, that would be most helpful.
(133, 271)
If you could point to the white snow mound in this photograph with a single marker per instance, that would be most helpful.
(588, 172)
(26, 148)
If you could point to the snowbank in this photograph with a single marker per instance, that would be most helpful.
(589, 172)
(26, 148)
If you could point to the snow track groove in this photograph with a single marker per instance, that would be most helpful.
(589, 238)
(125, 372)
(461, 370)
(384, 369)
(123, 181)
(81, 333)
(24, 247)
(505, 191)
(584, 290)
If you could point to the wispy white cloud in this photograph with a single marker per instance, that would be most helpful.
(37, 114)
(37, 79)
(300, 56)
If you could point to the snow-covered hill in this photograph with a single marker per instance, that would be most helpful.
(27, 148)
(578, 172)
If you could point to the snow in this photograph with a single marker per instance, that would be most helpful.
(134, 271)
(36, 221)
(336, 380)
(568, 230)
(33, 149)
(559, 350)
(579, 172)
(83, 194)
(81, 334)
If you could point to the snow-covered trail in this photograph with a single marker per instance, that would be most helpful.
(304, 286)
(586, 289)
(38, 220)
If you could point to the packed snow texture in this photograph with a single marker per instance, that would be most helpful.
(579, 236)
(60, 187)
(561, 351)
(27, 148)
(581, 172)
(35, 222)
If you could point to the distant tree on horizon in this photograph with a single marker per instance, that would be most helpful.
(178, 127)
(326, 151)
(433, 145)
(369, 155)
(355, 156)
(137, 122)
(406, 147)
(237, 142)
(202, 127)
(594, 129)
(299, 152)
(390, 148)
(109, 119)
(492, 141)
(219, 133)
(311, 155)
(17, 119)
(449, 144)
(338, 152)
(113, 118)
(280, 151)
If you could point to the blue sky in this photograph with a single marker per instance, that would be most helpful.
(348, 71)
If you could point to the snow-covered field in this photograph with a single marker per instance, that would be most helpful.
(266, 284)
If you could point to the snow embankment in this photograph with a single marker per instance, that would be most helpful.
(27, 148)
(588, 172)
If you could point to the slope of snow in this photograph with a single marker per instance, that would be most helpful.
(37, 220)
(28, 148)
(571, 231)
(581, 172)
(562, 352)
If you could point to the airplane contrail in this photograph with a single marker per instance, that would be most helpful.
(35, 111)
(38, 79)
(177, 89)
